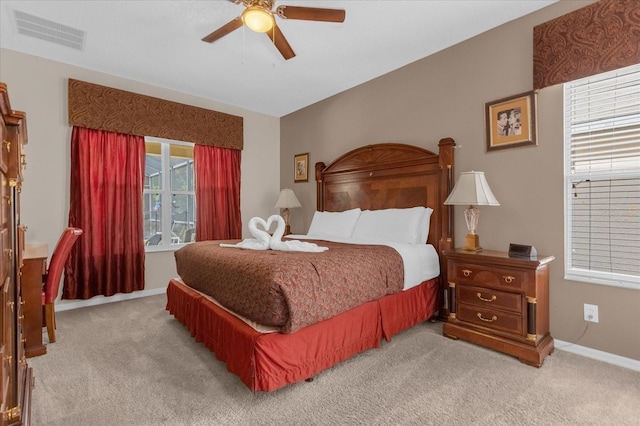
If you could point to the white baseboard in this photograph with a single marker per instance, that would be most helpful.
(100, 300)
(559, 344)
(607, 357)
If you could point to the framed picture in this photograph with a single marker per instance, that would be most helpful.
(301, 167)
(511, 122)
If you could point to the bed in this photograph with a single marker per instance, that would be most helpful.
(276, 351)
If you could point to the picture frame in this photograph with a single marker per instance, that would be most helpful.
(301, 167)
(511, 122)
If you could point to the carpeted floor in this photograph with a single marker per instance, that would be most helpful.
(132, 363)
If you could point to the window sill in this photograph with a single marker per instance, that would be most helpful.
(629, 282)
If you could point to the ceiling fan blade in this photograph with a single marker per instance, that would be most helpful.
(281, 42)
(311, 13)
(224, 30)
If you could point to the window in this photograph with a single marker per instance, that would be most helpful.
(602, 178)
(169, 202)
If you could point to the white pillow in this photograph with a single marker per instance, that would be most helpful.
(334, 224)
(392, 225)
(423, 227)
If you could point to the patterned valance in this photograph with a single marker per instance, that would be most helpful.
(600, 37)
(104, 108)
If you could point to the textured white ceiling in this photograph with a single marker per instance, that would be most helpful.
(159, 43)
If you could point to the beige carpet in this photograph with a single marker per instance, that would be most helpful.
(131, 363)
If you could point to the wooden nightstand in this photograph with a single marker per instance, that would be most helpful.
(500, 302)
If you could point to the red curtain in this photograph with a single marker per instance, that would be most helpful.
(217, 173)
(107, 178)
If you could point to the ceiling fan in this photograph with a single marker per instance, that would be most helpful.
(259, 16)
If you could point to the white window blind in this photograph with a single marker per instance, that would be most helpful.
(602, 178)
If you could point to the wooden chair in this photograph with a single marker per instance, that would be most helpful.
(54, 274)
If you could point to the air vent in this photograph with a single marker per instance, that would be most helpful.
(44, 29)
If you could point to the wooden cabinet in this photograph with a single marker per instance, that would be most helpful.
(500, 302)
(16, 379)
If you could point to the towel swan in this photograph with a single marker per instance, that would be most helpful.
(262, 237)
(264, 241)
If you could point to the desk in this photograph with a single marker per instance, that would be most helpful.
(34, 266)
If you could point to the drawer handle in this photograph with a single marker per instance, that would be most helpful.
(487, 320)
(466, 272)
(508, 278)
(486, 300)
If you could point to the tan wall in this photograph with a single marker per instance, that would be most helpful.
(39, 86)
(444, 95)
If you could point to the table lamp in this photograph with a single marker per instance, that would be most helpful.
(287, 200)
(472, 190)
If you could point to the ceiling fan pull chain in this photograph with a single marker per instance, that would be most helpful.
(243, 45)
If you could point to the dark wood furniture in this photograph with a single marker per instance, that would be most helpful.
(16, 379)
(372, 177)
(500, 302)
(33, 270)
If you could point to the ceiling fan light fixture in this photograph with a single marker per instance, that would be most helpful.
(258, 19)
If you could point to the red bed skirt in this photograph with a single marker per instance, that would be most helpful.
(266, 362)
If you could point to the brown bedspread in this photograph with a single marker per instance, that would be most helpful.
(291, 290)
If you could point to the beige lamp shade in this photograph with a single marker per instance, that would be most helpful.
(472, 189)
(287, 200)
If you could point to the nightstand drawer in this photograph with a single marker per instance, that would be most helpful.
(491, 318)
(483, 275)
(489, 298)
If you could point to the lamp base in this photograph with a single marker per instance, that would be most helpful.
(472, 243)
(287, 229)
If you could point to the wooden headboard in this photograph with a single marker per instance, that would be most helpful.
(391, 175)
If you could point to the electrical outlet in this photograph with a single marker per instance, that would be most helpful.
(590, 312)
